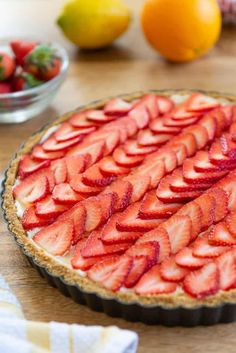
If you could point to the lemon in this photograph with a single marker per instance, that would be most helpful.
(92, 24)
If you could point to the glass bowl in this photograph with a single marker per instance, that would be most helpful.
(18, 107)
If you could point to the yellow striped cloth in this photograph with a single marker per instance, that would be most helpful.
(18, 335)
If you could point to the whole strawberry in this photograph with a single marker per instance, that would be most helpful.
(43, 63)
(7, 66)
(24, 81)
(5, 87)
(21, 49)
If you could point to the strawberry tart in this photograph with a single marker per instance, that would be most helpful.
(129, 205)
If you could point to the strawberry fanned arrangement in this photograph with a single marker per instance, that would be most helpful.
(138, 195)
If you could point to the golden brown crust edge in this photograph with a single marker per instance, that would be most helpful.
(70, 276)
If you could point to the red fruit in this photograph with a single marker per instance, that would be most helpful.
(160, 236)
(228, 146)
(170, 271)
(21, 50)
(227, 269)
(181, 122)
(147, 138)
(76, 165)
(117, 106)
(152, 208)
(130, 221)
(221, 121)
(194, 212)
(228, 113)
(94, 246)
(178, 184)
(63, 194)
(7, 66)
(186, 259)
(202, 163)
(132, 148)
(140, 186)
(149, 172)
(207, 204)
(31, 189)
(179, 229)
(231, 223)
(93, 177)
(180, 113)
(188, 140)
(28, 166)
(58, 167)
(157, 127)
(107, 203)
(111, 273)
(98, 116)
(113, 135)
(121, 158)
(209, 123)
(203, 282)
(78, 186)
(108, 167)
(228, 185)
(129, 124)
(217, 157)
(77, 215)
(38, 153)
(220, 235)
(139, 267)
(93, 213)
(221, 203)
(123, 189)
(191, 176)
(24, 80)
(79, 262)
(198, 103)
(180, 151)
(95, 150)
(140, 115)
(56, 238)
(51, 144)
(111, 235)
(66, 132)
(200, 134)
(5, 87)
(165, 104)
(30, 220)
(47, 208)
(79, 120)
(152, 283)
(150, 102)
(169, 159)
(203, 249)
(149, 249)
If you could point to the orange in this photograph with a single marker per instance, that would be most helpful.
(181, 30)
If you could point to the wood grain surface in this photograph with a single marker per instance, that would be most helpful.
(130, 65)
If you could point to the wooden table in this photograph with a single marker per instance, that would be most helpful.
(129, 66)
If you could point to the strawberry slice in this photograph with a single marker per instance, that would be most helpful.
(220, 235)
(93, 177)
(147, 138)
(186, 259)
(111, 273)
(111, 235)
(152, 208)
(77, 214)
(47, 208)
(140, 115)
(112, 141)
(166, 155)
(209, 123)
(217, 157)
(179, 229)
(157, 127)
(198, 103)
(51, 144)
(228, 185)
(181, 122)
(180, 151)
(221, 121)
(140, 186)
(151, 283)
(28, 166)
(227, 269)
(165, 104)
(159, 235)
(202, 282)
(207, 204)
(202, 163)
(94, 214)
(67, 132)
(121, 158)
(171, 272)
(221, 208)
(117, 107)
(150, 102)
(231, 223)
(200, 134)
(123, 189)
(31, 189)
(139, 267)
(228, 146)
(78, 186)
(56, 238)
(64, 194)
(202, 248)
(98, 116)
(194, 212)
(38, 153)
(130, 221)
(153, 170)
(180, 113)
(149, 249)
(107, 203)
(114, 133)
(191, 176)
(95, 150)
(228, 112)
(132, 148)
(188, 140)
(79, 120)
(30, 220)
(109, 167)
(76, 165)
(58, 167)
(129, 124)
(94, 246)
(178, 184)
(232, 131)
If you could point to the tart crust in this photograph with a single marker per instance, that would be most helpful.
(70, 276)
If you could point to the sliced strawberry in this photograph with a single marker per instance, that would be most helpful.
(166, 155)
(181, 122)
(67, 132)
(209, 123)
(49, 174)
(191, 176)
(98, 116)
(149, 249)
(139, 267)
(129, 124)
(77, 215)
(140, 115)
(111, 273)
(200, 134)
(228, 146)
(28, 166)
(203, 282)
(180, 151)
(186, 259)
(31, 189)
(123, 189)
(198, 103)
(107, 203)
(180, 113)
(48, 208)
(157, 127)
(150, 102)
(178, 184)
(76, 165)
(203, 249)
(38, 153)
(132, 148)
(93, 177)
(170, 271)
(59, 169)
(220, 235)
(130, 221)
(194, 212)
(56, 238)
(221, 208)
(179, 230)
(117, 106)
(140, 186)
(79, 120)
(51, 144)
(64, 194)
(30, 220)
(217, 157)
(165, 104)
(114, 134)
(153, 170)
(152, 208)
(228, 185)
(232, 130)
(108, 166)
(94, 246)
(151, 283)
(227, 269)
(112, 141)
(95, 150)
(202, 163)
(147, 138)
(207, 204)
(188, 140)
(94, 214)
(121, 158)
(78, 186)
(111, 235)
(228, 112)
(231, 223)
(221, 121)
